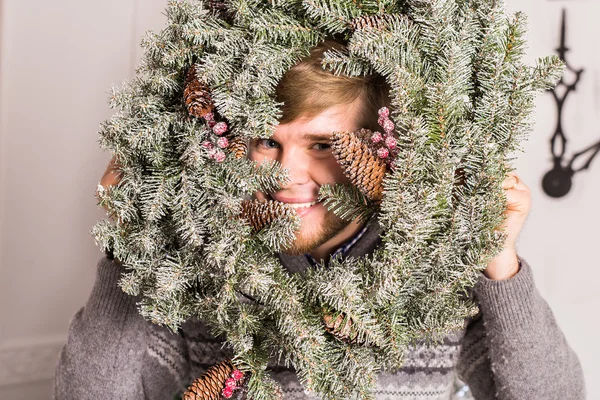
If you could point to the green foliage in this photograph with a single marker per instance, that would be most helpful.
(461, 101)
(346, 201)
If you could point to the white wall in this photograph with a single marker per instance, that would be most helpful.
(57, 62)
(561, 236)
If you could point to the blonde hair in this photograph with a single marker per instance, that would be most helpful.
(307, 89)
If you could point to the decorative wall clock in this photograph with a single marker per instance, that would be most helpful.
(557, 182)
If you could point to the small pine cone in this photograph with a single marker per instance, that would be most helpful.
(238, 146)
(380, 21)
(344, 333)
(210, 385)
(262, 213)
(196, 95)
(364, 169)
(366, 136)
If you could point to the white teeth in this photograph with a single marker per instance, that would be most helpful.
(301, 205)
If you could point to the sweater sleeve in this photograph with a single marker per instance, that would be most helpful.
(515, 349)
(112, 351)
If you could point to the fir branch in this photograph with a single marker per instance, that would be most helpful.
(264, 65)
(277, 26)
(345, 64)
(246, 11)
(547, 72)
(279, 234)
(180, 12)
(209, 31)
(190, 210)
(156, 195)
(168, 51)
(346, 201)
(331, 15)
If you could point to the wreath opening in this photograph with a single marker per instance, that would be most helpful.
(447, 99)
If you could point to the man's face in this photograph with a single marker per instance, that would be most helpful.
(303, 146)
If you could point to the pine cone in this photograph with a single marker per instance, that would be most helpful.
(380, 21)
(196, 95)
(238, 146)
(210, 385)
(345, 332)
(364, 169)
(365, 135)
(262, 213)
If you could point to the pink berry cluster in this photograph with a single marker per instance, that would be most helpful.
(387, 140)
(232, 383)
(218, 128)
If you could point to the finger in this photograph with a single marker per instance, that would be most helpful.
(112, 175)
(111, 178)
(511, 181)
(518, 200)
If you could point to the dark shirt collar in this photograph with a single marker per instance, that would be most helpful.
(341, 251)
(365, 244)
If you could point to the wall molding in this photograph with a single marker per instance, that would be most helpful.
(29, 361)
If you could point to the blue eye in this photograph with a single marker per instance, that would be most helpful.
(268, 143)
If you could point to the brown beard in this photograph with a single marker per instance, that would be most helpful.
(331, 226)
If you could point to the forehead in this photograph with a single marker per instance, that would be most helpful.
(336, 118)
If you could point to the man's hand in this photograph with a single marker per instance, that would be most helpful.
(111, 176)
(518, 198)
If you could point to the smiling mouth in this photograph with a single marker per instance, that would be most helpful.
(296, 206)
(301, 205)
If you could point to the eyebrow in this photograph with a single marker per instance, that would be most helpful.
(317, 136)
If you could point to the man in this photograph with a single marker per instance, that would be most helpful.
(512, 350)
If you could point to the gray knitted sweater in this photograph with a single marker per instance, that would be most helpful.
(512, 350)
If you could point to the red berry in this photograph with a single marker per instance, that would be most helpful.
(388, 126)
(220, 128)
(227, 392)
(222, 142)
(230, 383)
(384, 112)
(219, 156)
(390, 142)
(376, 138)
(209, 116)
(383, 152)
(237, 374)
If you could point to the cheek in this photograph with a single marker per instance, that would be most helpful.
(253, 155)
(328, 171)
(260, 196)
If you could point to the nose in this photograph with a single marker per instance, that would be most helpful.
(297, 164)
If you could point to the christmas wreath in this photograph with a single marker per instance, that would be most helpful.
(194, 243)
